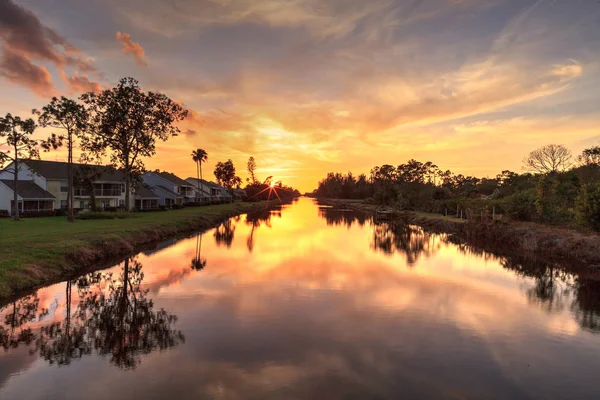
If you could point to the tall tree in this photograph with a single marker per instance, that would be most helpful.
(225, 174)
(549, 159)
(590, 157)
(15, 135)
(127, 121)
(251, 168)
(199, 156)
(71, 117)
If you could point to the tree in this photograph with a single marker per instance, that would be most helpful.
(587, 206)
(15, 134)
(549, 159)
(225, 174)
(590, 157)
(128, 122)
(199, 156)
(251, 168)
(72, 117)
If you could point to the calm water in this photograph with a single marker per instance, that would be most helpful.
(307, 303)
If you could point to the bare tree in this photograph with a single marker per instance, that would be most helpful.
(549, 159)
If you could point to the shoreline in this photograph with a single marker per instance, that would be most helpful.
(580, 252)
(99, 253)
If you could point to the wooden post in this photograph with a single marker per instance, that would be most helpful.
(461, 214)
(457, 211)
(494, 214)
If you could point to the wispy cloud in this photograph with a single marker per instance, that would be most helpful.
(133, 48)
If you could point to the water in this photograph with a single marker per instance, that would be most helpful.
(307, 303)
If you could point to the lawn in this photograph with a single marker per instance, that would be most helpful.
(45, 241)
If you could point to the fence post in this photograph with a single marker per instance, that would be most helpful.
(457, 211)
(494, 214)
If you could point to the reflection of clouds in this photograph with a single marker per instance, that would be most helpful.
(313, 310)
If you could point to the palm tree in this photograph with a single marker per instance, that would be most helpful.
(199, 156)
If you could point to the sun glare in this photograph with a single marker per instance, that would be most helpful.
(272, 184)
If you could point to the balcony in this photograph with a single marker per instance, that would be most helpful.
(102, 190)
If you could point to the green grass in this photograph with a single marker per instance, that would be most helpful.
(46, 241)
(449, 218)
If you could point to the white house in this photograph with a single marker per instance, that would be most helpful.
(184, 191)
(107, 183)
(30, 197)
(210, 190)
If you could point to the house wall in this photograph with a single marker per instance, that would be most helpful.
(6, 196)
(54, 188)
(204, 189)
(25, 174)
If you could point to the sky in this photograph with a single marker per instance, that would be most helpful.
(313, 86)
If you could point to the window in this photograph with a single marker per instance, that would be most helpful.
(121, 203)
(82, 204)
(64, 203)
(178, 189)
(123, 190)
(105, 203)
(64, 187)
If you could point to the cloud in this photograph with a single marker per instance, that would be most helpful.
(25, 39)
(133, 48)
(19, 70)
(80, 83)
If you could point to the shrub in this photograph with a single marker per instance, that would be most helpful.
(37, 214)
(587, 206)
(104, 215)
(520, 205)
(177, 206)
(3, 213)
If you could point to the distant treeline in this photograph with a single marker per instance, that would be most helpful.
(559, 190)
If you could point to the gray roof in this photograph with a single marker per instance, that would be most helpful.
(57, 170)
(168, 191)
(172, 178)
(28, 189)
(143, 192)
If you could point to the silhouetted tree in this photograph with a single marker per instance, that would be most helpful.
(549, 159)
(199, 156)
(251, 168)
(590, 157)
(225, 174)
(198, 263)
(127, 121)
(72, 117)
(224, 234)
(15, 134)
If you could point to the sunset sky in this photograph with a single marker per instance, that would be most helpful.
(312, 86)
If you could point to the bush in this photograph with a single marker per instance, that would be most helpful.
(37, 214)
(177, 206)
(520, 205)
(3, 213)
(587, 206)
(104, 215)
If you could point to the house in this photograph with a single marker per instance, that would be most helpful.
(172, 183)
(166, 197)
(146, 199)
(31, 197)
(211, 190)
(239, 193)
(104, 184)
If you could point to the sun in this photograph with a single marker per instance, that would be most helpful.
(272, 184)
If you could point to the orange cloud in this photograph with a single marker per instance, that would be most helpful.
(18, 69)
(80, 83)
(133, 48)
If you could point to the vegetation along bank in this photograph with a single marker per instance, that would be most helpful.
(39, 251)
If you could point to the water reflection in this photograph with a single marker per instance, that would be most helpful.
(113, 317)
(305, 303)
(335, 216)
(255, 220)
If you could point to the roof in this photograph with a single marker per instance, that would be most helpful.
(57, 170)
(28, 190)
(145, 193)
(168, 191)
(172, 178)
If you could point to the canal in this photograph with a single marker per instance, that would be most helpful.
(307, 302)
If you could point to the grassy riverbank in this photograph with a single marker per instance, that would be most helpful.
(39, 250)
(545, 242)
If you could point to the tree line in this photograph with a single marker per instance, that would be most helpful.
(557, 188)
(121, 125)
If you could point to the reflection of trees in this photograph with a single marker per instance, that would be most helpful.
(256, 219)
(62, 342)
(198, 263)
(335, 216)
(224, 233)
(16, 317)
(407, 239)
(114, 318)
(586, 306)
(551, 288)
